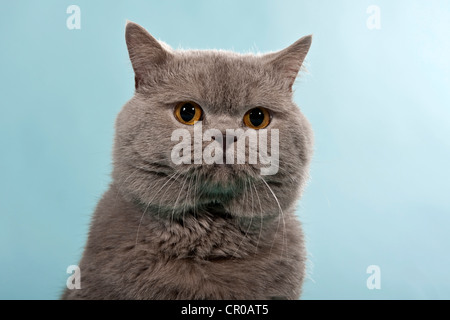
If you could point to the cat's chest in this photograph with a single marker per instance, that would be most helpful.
(205, 238)
(208, 259)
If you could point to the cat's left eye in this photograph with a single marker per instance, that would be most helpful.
(188, 112)
(257, 118)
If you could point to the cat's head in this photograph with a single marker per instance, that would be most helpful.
(180, 95)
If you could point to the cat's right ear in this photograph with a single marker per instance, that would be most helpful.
(288, 61)
(145, 51)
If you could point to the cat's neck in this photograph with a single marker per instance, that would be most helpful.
(208, 233)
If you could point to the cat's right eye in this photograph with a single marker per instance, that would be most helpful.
(188, 112)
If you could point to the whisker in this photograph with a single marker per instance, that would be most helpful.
(261, 214)
(148, 204)
(195, 193)
(178, 197)
(119, 187)
(187, 195)
(251, 220)
(284, 239)
(168, 187)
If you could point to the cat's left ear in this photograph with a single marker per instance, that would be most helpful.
(287, 62)
(146, 53)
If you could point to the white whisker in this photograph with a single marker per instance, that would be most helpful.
(168, 187)
(251, 220)
(148, 204)
(187, 195)
(178, 197)
(284, 239)
(261, 214)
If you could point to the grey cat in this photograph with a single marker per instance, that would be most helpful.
(200, 231)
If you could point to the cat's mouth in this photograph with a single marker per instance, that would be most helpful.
(216, 208)
(213, 188)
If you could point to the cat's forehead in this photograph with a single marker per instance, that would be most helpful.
(225, 80)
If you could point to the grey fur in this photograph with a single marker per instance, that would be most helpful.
(163, 231)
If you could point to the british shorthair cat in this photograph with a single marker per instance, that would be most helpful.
(175, 224)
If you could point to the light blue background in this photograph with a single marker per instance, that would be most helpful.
(378, 101)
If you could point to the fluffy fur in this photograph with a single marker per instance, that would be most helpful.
(197, 231)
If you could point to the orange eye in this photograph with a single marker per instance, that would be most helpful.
(257, 118)
(188, 112)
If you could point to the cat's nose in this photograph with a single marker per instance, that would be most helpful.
(226, 142)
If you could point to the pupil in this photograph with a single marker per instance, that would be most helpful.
(256, 117)
(187, 112)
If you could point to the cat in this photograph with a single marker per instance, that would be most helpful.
(201, 231)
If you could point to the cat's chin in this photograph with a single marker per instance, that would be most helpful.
(227, 175)
(222, 173)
